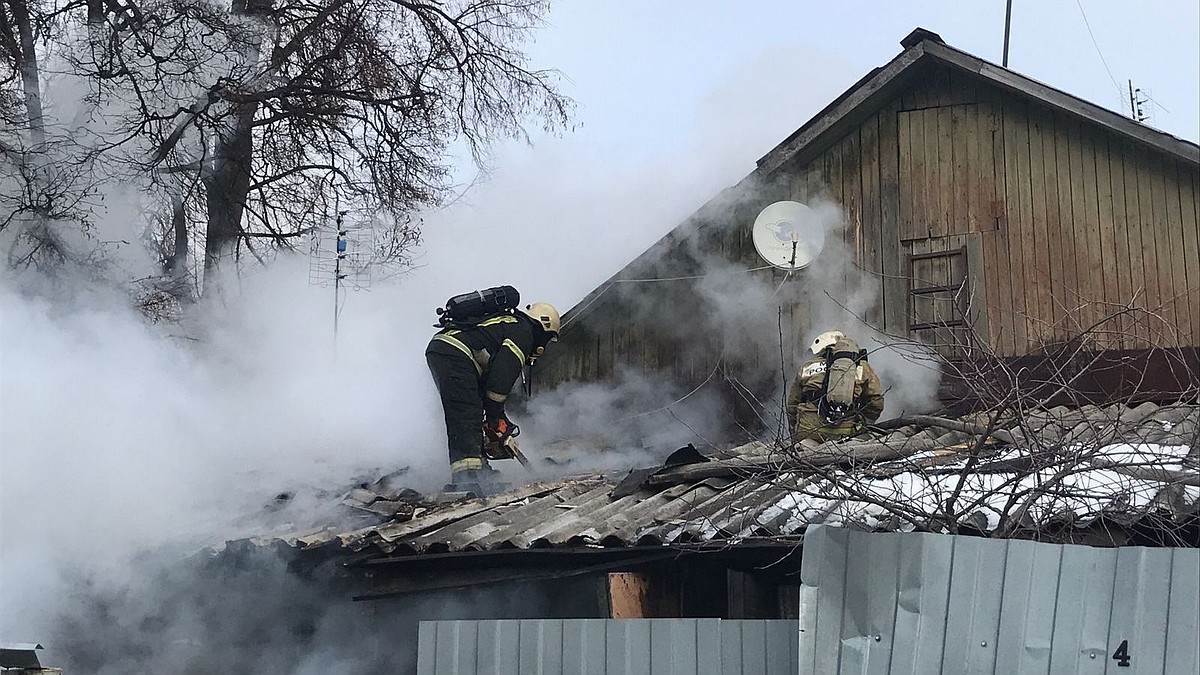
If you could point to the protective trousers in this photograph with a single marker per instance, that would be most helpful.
(457, 383)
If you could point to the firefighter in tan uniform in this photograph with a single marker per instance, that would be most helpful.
(835, 393)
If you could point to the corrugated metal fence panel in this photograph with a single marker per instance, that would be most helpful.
(607, 647)
(921, 604)
(1183, 616)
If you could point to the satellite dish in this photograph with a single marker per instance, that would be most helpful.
(787, 235)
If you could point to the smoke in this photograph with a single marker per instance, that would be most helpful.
(840, 295)
(127, 446)
(636, 420)
(120, 436)
(728, 320)
(248, 612)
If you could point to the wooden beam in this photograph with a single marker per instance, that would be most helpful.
(385, 586)
(642, 595)
(629, 596)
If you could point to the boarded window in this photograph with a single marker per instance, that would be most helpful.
(947, 165)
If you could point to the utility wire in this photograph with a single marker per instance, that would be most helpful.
(579, 312)
(1155, 102)
(1120, 92)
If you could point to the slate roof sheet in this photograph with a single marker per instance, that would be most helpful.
(1109, 462)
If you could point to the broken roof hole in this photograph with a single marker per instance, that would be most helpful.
(404, 549)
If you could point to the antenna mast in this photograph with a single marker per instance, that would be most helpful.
(1136, 99)
(1007, 25)
(340, 256)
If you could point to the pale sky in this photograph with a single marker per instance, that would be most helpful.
(679, 99)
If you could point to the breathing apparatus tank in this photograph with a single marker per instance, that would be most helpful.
(470, 308)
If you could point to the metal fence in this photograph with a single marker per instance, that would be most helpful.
(930, 604)
(607, 647)
(887, 604)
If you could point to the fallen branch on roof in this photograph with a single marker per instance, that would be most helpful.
(824, 455)
(1002, 435)
(1148, 472)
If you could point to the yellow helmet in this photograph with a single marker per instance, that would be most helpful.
(545, 314)
(826, 340)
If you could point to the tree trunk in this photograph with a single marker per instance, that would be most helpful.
(28, 66)
(226, 186)
(227, 183)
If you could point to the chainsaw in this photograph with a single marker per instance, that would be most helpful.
(505, 447)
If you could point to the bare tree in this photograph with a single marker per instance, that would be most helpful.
(283, 108)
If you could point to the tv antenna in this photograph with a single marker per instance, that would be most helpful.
(788, 235)
(1138, 98)
(340, 255)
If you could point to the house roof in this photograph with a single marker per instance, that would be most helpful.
(922, 46)
(870, 93)
(1068, 467)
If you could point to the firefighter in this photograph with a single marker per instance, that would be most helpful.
(474, 368)
(835, 393)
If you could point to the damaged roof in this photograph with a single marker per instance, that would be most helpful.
(1059, 470)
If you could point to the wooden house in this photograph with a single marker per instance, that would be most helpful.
(990, 215)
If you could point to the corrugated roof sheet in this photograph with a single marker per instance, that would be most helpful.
(1113, 462)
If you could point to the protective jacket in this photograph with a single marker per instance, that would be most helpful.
(474, 367)
(804, 402)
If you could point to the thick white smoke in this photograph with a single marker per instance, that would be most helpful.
(126, 445)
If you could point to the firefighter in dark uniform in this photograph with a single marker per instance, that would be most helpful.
(835, 393)
(475, 368)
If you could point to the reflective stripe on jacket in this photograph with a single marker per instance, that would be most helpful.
(803, 415)
(497, 346)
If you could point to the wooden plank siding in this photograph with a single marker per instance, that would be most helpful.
(1135, 324)
(1052, 223)
(1065, 223)
(1120, 273)
(1039, 241)
(890, 210)
(871, 232)
(1065, 287)
(1189, 203)
(1109, 336)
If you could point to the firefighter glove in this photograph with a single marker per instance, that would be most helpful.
(493, 409)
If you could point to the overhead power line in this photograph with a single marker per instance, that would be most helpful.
(1096, 44)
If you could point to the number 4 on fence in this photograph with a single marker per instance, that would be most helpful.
(1121, 656)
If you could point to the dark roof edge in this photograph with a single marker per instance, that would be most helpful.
(872, 87)
(1080, 108)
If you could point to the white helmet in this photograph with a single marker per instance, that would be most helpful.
(826, 340)
(545, 314)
